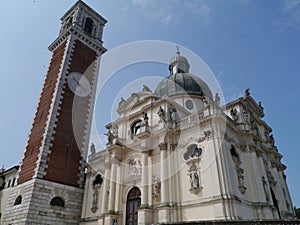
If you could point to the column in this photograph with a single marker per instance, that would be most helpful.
(144, 200)
(105, 187)
(164, 209)
(112, 189)
(163, 173)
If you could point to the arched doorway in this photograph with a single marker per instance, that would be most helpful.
(133, 202)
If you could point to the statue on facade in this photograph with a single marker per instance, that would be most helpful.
(245, 117)
(260, 106)
(122, 104)
(247, 92)
(115, 130)
(173, 117)
(205, 101)
(95, 201)
(156, 188)
(110, 137)
(254, 127)
(272, 141)
(93, 148)
(217, 99)
(146, 118)
(234, 114)
(161, 113)
(194, 179)
(146, 88)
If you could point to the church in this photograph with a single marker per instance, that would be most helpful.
(174, 155)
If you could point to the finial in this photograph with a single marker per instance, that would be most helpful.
(178, 52)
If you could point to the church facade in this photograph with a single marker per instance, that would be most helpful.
(177, 155)
(174, 155)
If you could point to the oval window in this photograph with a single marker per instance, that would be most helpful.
(189, 104)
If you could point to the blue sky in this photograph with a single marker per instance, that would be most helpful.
(247, 44)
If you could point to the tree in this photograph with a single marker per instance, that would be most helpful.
(297, 211)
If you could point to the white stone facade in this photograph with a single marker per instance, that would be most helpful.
(206, 162)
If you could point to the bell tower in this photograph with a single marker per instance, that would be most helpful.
(51, 179)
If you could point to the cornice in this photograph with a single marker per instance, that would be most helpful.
(86, 39)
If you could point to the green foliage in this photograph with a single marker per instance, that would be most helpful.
(297, 211)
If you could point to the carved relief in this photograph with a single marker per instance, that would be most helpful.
(270, 177)
(254, 127)
(265, 186)
(207, 135)
(134, 167)
(239, 170)
(156, 188)
(162, 146)
(245, 117)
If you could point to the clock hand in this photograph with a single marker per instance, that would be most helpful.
(78, 83)
(76, 80)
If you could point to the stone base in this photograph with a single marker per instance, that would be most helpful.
(35, 207)
(145, 216)
(111, 219)
(164, 214)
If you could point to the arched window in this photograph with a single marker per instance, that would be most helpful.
(88, 26)
(132, 205)
(136, 129)
(192, 152)
(57, 201)
(98, 181)
(18, 200)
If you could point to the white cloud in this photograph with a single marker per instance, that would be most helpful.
(199, 8)
(143, 4)
(171, 11)
(290, 15)
(291, 5)
(166, 19)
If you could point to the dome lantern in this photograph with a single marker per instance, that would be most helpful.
(179, 64)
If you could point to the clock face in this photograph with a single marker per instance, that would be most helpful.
(79, 84)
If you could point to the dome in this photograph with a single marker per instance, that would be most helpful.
(182, 83)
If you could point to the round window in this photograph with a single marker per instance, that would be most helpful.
(189, 104)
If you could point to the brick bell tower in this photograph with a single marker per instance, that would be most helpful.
(51, 179)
